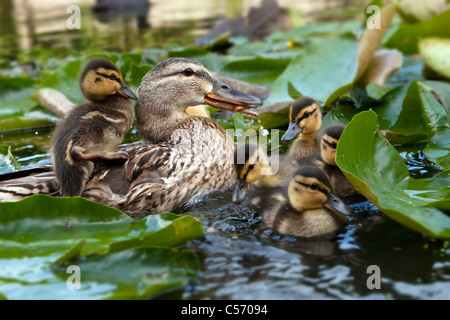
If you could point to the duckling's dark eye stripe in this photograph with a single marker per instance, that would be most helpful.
(107, 76)
(330, 144)
(306, 115)
(309, 186)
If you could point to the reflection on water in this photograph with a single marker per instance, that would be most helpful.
(38, 29)
(248, 263)
(242, 259)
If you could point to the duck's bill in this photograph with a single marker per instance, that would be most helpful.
(240, 191)
(337, 205)
(126, 92)
(293, 130)
(225, 98)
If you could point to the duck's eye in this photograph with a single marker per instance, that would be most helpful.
(188, 72)
(251, 167)
(112, 77)
(313, 186)
(306, 114)
(333, 145)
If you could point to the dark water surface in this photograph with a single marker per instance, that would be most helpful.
(242, 259)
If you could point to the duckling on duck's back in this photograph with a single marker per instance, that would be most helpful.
(185, 156)
(94, 130)
(306, 207)
(305, 121)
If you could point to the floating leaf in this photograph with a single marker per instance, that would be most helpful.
(262, 71)
(41, 231)
(436, 54)
(378, 172)
(15, 96)
(323, 70)
(406, 37)
(132, 274)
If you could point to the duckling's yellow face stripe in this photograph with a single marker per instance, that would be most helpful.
(309, 119)
(328, 147)
(100, 83)
(307, 193)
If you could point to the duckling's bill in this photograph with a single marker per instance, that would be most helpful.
(337, 205)
(224, 97)
(126, 92)
(293, 130)
(240, 191)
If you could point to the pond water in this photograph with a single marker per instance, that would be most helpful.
(241, 258)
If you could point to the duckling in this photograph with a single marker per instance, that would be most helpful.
(252, 167)
(306, 207)
(182, 158)
(305, 119)
(328, 144)
(92, 131)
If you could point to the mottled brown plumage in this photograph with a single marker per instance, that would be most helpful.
(183, 157)
(92, 131)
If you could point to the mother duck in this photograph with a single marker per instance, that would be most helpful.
(184, 157)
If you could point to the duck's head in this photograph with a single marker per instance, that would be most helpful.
(249, 162)
(177, 83)
(329, 142)
(310, 188)
(304, 117)
(100, 78)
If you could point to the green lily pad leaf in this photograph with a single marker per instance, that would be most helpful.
(262, 71)
(15, 96)
(436, 54)
(442, 91)
(51, 225)
(7, 161)
(319, 71)
(406, 37)
(438, 149)
(422, 109)
(24, 124)
(41, 231)
(239, 123)
(378, 172)
(132, 274)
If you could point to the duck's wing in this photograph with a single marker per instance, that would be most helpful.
(18, 185)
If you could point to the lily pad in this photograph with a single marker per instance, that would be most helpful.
(15, 96)
(378, 172)
(132, 274)
(406, 37)
(436, 54)
(40, 232)
(323, 70)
